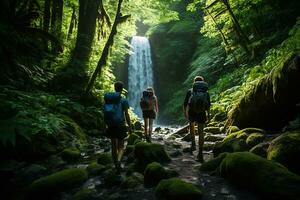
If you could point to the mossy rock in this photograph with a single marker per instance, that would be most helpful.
(138, 126)
(213, 138)
(176, 189)
(105, 159)
(187, 137)
(237, 135)
(253, 130)
(133, 139)
(285, 149)
(27, 175)
(85, 194)
(230, 145)
(265, 177)
(213, 130)
(111, 178)
(260, 149)
(254, 139)
(154, 173)
(95, 169)
(213, 164)
(128, 150)
(139, 133)
(134, 180)
(232, 129)
(58, 182)
(146, 153)
(71, 154)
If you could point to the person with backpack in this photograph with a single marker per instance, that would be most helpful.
(115, 114)
(196, 108)
(149, 106)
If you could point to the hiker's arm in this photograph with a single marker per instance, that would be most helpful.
(156, 105)
(127, 118)
(208, 110)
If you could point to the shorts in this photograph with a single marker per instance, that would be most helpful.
(149, 114)
(117, 132)
(197, 117)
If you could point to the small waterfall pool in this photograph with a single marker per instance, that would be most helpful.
(140, 72)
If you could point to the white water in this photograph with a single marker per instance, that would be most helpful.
(140, 72)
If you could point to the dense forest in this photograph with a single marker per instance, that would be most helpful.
(59, 58)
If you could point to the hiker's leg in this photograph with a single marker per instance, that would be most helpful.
(201, 140)
(146, 122)
(120, 149)
(192, 132)
(114, 150)
(150, 127)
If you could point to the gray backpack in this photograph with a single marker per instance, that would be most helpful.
(199, 100)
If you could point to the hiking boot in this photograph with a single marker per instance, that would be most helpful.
(200, 158)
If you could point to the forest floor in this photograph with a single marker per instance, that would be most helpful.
(213, 187)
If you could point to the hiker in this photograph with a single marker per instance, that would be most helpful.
(149, 106)
(196, 109)
(115, 113)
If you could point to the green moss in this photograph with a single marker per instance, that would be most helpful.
(139, 133)
(286, 150)
(265, 177)
(254, 139)
(132, 139)
(253, 130)
(85, 194)
(176, 189)
(259, 150)
(133, 181)
(58, 182)
(230, 145)
(129, 149)
(71, 154)
(232, 129)
(214, 163)
(105, 159)
(95, 169)
(183, 26)
(154, 173)
(146, 153)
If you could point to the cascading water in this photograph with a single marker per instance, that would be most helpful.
(140, 73)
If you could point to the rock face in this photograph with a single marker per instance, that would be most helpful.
(272, 103)
(176, 189)
(55, 183)
(146, 153)
(285, 149)
(267, 178)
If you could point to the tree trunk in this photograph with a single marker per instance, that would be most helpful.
(102, 61)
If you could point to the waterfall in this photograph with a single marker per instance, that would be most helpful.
(140, 73)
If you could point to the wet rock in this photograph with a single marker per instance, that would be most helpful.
(176, 189)
(260, 149)
(175, 153)
(213, 130)
(187, 137)
(85, 194)
(53, 184)
(146, 153)
(134, 180)
(71, 154)
(208, 146)
(285, 149)
(265, 177)
(111, 178)
(105, 159)
(254, 139)
(157, 129)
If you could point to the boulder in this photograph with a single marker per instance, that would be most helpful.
(177, 189)
(254, 139)
(285, 149)
(28, 174)
(146, 153)
(95, 169)
(105, 159)
(232, 129)
(133, 139)
(271, 104)
(138, 126)
(213, 138)
(154, 173)
(134, 180)
(265, 177)
(61, 181)
(230, 145)
(187, 137)
(213, 164)
(71, 154)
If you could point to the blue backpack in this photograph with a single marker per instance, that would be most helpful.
(113, 111)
